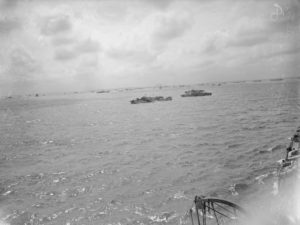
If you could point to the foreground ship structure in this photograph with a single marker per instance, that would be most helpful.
(207, 211)
(216, 211)
(293, 151)
(290, 162)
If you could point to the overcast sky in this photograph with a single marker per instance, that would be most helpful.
(84, 44)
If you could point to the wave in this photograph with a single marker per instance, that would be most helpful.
(163, 217)
(234, 146)
(272, 149)
(237, 188)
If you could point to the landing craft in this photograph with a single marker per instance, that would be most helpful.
(195, 93)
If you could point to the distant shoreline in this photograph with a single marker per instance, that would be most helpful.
(125, 89)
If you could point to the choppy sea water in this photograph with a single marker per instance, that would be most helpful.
(96, 159)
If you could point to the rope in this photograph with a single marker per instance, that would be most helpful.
(215, 213)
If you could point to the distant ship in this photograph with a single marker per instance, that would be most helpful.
(276, 79)
(145, 99)
(194, 93)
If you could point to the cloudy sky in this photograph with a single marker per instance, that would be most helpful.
(87, 44)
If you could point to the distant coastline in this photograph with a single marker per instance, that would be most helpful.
(127, 89)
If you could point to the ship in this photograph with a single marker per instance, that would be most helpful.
(209, 211)
(195, 93)
(145, 99)
(292, 154)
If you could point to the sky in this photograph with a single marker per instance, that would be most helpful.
(57, 46)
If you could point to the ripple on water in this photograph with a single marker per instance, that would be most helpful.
(163, 217)
(158, 157)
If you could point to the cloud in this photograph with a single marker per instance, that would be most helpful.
(130, 55)
(215, 42)
(276, 51)
(136, 37)
(88, 46)
(117, 11)
(87, 72)
(8, 3)
(22, 71)
(64, 54)
(7, 25)
(160, 4)
(113, 11)
(166, 4)
(171, 27)
(249, 32)
(88, 67)
(247, 41)
(55, 25)
(62, 41)
(291, 50)
(22, 63)
(203, 64)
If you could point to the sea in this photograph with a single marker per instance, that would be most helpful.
(94, 158)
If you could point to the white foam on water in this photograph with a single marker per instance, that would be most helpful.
(3, 223)
(297, 200)
(275, 188)
(3, 218)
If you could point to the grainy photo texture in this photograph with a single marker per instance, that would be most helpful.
(149, 112)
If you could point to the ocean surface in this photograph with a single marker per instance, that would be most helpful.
(93, 158)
